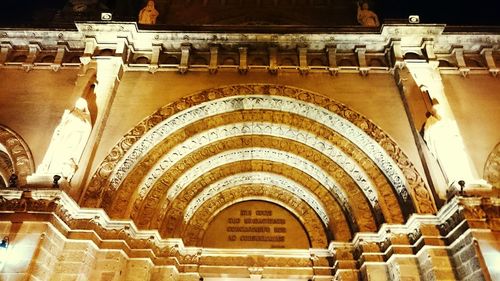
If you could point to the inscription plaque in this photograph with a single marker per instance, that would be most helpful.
(255, 224)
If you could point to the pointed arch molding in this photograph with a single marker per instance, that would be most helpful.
(347, 151)
(19, 154)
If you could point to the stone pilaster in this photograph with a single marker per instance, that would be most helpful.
(75, 262)
(404, 267)
(374, 271)
(109, 265)
(20, 257)
(435, 264)
(465, 260)
(50, 249)
(108, 73)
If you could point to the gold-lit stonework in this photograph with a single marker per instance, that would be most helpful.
(295, 178)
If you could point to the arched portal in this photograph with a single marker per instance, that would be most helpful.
(345, 172)
(15, 156)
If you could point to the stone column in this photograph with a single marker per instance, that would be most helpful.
(75, 262)
(108, 72)
(403, 267)
(441, 131)
(50, 250)
(435, 264)
(138, 269)
(416, 109)
(466, 259)
(109, 265)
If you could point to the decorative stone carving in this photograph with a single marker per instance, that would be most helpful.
(6, 169)
(366, 136)
(286, 132)
(492, 167)
(80, 6)
(20, 160)
(173, 168)
(68, 142)
(148, 14)
(256, 178)
(170, 214)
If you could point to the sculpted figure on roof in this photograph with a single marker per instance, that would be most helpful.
(366, 17)
(148, 14)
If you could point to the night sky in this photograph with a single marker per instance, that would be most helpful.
(459, 12)
(452, 12)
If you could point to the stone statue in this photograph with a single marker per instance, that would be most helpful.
(68, 142)
(148, 14)
(366, 17)
(443, 139)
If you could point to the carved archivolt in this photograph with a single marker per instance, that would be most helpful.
(285, 132)
(324, 150)
(256, 178)
(18, 152)
(235, 103)
(492, 167)
(6, 168)
(170, 216)
(165, 139)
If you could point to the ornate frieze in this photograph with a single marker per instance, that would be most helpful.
(164, 179)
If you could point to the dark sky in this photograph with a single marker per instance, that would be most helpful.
(451, 12)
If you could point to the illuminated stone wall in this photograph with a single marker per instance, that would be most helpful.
(320, 131)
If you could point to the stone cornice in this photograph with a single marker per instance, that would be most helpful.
(124, 39)
(452, 221)
(317, 39)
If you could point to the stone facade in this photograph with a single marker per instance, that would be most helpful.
(325, 126)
